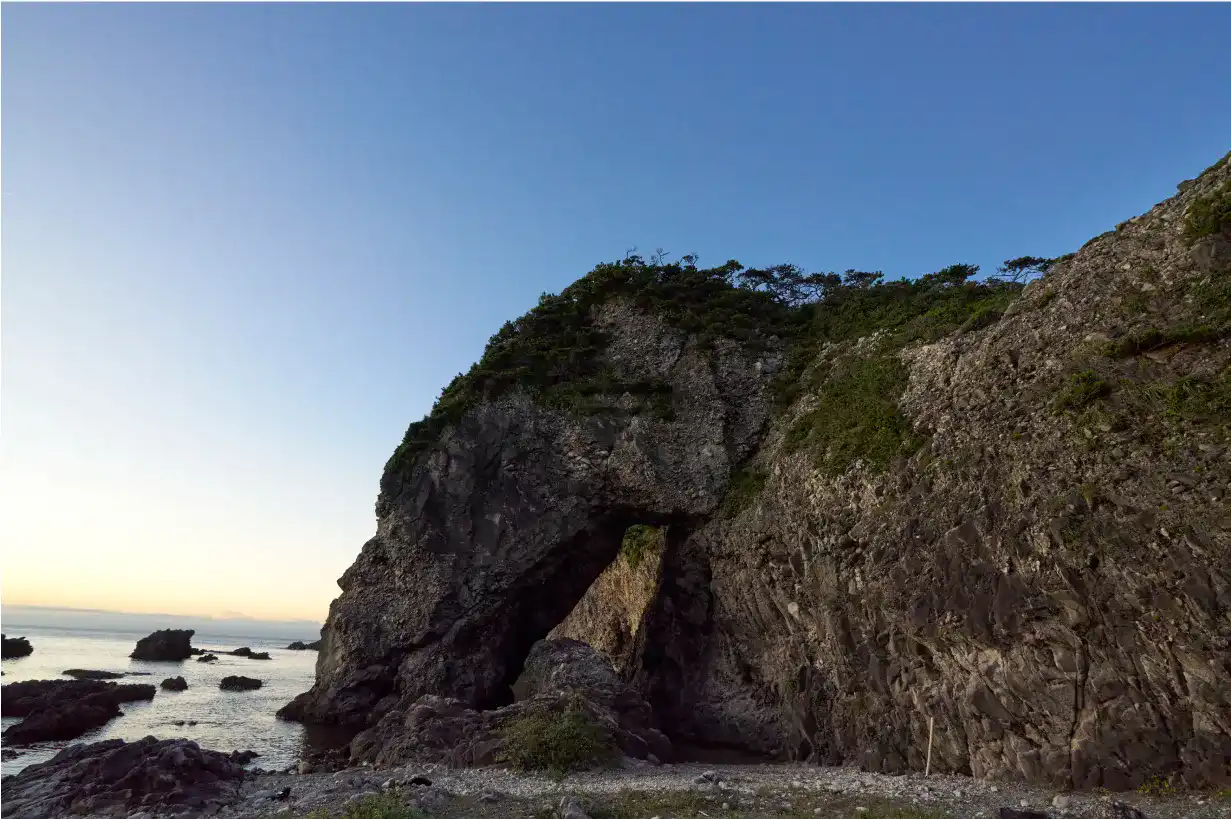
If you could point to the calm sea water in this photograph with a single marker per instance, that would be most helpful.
(226, 721)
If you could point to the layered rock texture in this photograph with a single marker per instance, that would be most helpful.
(1001, 510)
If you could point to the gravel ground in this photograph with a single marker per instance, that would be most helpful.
(640, 790)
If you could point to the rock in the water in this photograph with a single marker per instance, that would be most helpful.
(59, 710)
(170, 775)
(165, 645)
(243, 757)
(11, 647)
(259, 655)
(238, 683)
(298, 645)
(90, 674)
(207, 658)
(174, 684)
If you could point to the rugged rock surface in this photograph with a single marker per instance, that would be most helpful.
(91, 674)
(165, 645)
(156, 776)
(560, 676)
(1040, 563)
(238, 683)
(174, 684)
(64, 709)
(11, 647)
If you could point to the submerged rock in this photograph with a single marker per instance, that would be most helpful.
(155, 776)
(174, 684)
(207, 658)
(58, 710)
(165, 645)
(12, 647)
(90, 674)
(239, 683)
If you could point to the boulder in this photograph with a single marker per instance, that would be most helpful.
(150, 775)
(166, 645)
(298, 645)
(59, 710)
(11, 647)
(259, 655)
(174, 684)
(238, 683)
(243, 757)
(560, 676)
(242, 651)
(207, 658)
(89, 674)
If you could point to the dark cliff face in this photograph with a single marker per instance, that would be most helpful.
(496, 533)
(1018, 529)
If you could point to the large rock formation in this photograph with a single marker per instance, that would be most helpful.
(165, 645)
(152, 776)
(64, 709)
(1007, 516)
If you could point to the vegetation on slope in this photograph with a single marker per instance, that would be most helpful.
(554, 353)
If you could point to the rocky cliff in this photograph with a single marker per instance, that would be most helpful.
(1001, 510)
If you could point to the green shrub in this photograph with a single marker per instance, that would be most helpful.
(856, 416)
(376, 806)
(1082, 390)
(556, 742)
(1209, 214)
(641, 541)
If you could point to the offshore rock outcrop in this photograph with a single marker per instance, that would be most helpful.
(1037, 558)
(166, 645)
(13, 647)
(64, 709)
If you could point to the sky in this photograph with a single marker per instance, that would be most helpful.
(243, 246)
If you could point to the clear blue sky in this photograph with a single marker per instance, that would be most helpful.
(245, 245)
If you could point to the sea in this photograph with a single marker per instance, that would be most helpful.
(224, 720)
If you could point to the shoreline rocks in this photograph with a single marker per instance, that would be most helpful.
(13, 647)
(59, 710)
(165, 646)
(155, 776)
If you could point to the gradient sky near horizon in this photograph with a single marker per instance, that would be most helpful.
(245, 245)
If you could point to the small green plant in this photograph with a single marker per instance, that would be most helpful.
(1209, 214)
(745, 486)
(557, 742)
(1082, 390)
(641, 541)
(376, 806)
(1156, 785)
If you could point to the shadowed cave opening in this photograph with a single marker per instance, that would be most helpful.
(597, 589)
